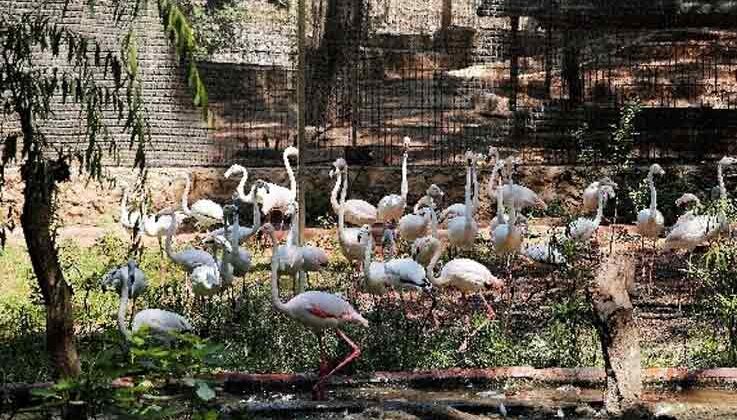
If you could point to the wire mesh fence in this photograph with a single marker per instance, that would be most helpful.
(522, 82)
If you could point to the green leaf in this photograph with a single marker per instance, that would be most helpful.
(204, 391)
(47, 393)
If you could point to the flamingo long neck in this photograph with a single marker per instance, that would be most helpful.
(722, 187)
(256, 221)
(469, 205)
(293, 230)
(434, 224)
(123, 308)
(368, 256)
(500, 204)
(600, 209)
(242, 184)
(476, 199)
(653, 194)
(290, 173)
(438, 252)
(336, 189)
(185, 196)
(278, 304)
(405, 183)
(341, 207)
(235, 235)
(169, 239)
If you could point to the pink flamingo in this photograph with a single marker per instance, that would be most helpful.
(318, 311)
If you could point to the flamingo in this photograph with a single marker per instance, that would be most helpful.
(583, 229)
(591, 193)
(413, 226)
(650, 221)
(313, 258)
(459, 209)
(202, 267)
(547, 252)
(391, 207)
(433, 196)
(423, 248)
(240, 189)
(160, 323)
(276, 197)
(400, 273)
(317, 311)
(350, 246)
(357, 212)
(516, 194)
(462, 230)
(507, 237)
(464, 274)
(688, 199)
(129, 219)
(207, 212)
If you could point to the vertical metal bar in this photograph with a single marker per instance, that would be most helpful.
(301, 69)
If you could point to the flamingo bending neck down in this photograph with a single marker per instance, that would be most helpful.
(318, 311)
(160, 323)
(357, 212)
(423, 248)
(276, 197)
(591, 193)
(583, 229)
(391, 207)
(207, 213)
(401, 273)
(464, 274)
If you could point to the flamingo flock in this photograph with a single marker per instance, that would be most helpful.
(428, 230)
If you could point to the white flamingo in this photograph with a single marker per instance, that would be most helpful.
(318, 311)
(357, 212)
(350, 246)
(464, 274)
(313, 258)
(201, 266)
(240, 189)
(546, 252)
(391, 207)
(413, 226)
(650, 221)
(161, 323)
(277, 197)
(690, 200)
(399, 273)
(433, 196)
(462, 230)
(518, 195)
(591, 193)
(459, 209)
(584, 228)
(130, 219)
(507, 237)
(206, 212)
(424, 248)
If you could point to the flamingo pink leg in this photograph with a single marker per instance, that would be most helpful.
(356, 352)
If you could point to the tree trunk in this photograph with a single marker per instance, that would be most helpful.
(620, 339)
(40, 177)
(572, 68)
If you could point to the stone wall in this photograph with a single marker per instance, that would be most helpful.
(178, 133)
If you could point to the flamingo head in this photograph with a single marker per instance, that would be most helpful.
(229, 210)
(656, 169)
(608, 181)
(727, 161)
(205, 280)
(291, 151)
(234, 169)
(493, 153)
(338, 166)
(406, 142)
(355, 318)
(434, 191)
(687, 199)
(267, 229)
(260, 184)
(292, 208)
(364, 232)
(387, 240)
(470, 158)
(607, 192)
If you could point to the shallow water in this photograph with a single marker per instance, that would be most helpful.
(536, 403)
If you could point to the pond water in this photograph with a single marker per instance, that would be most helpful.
(539, 403)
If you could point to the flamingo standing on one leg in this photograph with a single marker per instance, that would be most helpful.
(317, 311)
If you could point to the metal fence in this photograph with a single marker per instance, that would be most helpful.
(526, 83)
